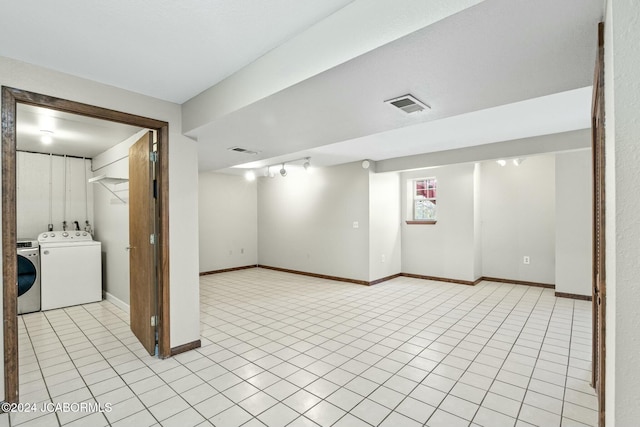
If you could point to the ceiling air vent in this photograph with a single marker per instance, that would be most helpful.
(408, 103)
(242, 150)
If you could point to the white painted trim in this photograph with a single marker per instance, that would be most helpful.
(116, 301)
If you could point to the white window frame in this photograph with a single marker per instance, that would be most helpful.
(415, 197)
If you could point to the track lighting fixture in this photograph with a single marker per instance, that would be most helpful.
(283, 167)
(517, 161)
(269, 173)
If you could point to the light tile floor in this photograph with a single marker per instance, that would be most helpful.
(288, 350)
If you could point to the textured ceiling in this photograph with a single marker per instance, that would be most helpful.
(498, 52)
(167, 49)
(489, 71)
(72, 134)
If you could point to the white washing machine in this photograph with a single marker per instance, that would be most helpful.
(71, 269)
(28, 276)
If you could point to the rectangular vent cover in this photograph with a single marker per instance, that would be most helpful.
(408, 103)
(242, 150)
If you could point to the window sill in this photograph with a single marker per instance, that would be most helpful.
(421, 222)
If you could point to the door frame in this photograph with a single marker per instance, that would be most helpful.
(10, 98)
(599, 280)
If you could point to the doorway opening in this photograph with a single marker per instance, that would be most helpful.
(11, 97)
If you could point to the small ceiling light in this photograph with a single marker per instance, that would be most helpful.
(501, 162)
(250, 176)
(518, 162)
(46, 137)
(283, 171)
(307, 164)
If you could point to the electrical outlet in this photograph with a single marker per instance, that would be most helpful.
(526, 260)
(356, 224)
(382, 258)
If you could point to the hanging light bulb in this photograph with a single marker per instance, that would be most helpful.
(250, 176)
(283, 171)
(501, 162)
(307, 164)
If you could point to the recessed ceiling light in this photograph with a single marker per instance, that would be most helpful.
(46, 136)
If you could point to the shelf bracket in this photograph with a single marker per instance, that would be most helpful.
(103, 180)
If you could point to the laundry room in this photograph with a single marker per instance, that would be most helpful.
(72, 209)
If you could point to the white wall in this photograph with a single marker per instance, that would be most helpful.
(613, 407)
(111, 225)
(518, 219)
(445, 249)
(305, 221)
(574, 224)
(183, 235)
(384, 223)
(183, 197)
(73, 203)
(227, 221)
(622, 99)
(477, 221)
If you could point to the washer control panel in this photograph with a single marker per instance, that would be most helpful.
(64, 236)
(27, 243)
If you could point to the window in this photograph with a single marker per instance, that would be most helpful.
(424, 200)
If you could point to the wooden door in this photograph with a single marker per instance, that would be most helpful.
(599, 274)
(142, 220)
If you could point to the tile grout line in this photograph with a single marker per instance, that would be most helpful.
(385, 324)
(540, 294)
(107, 361)
(156, 374)
(538, 355)
(335, 367)
(566, 378)
(498, 288)
(40, 368)
(483, 347)
(362, 351)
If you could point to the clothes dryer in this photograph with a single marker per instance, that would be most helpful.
(28, 276)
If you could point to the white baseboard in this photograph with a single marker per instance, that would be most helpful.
(116, 301)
